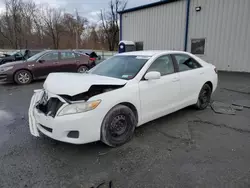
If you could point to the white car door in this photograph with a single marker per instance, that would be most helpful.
(191, 78)
(159, 97)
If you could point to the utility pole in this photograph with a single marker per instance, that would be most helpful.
(77, 33)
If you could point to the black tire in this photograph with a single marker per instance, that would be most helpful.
(118, 126)
(82, 69)
(204, 97)
(23, 77)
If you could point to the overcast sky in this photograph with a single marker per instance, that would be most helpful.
(87, 8)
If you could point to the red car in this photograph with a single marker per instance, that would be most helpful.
(43, 63)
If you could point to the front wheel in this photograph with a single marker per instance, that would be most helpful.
(23, 77)
(204, 97)
(118, 126)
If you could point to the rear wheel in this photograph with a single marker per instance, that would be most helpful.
(82, 69)
(204, 97)
(118, 126)
(23, 77)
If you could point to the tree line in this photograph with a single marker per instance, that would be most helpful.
(24, 24)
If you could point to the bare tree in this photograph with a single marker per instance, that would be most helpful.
(52, 20)
(73, 29)
(10, 29)
(27, 25)
(24, 24)
(16, 22)
(6, 31)
(109, 20)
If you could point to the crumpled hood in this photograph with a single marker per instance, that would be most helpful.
(75, 83)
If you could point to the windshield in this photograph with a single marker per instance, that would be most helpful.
(35, 57)
(123, 67)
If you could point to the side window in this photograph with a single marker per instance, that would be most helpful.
(67, 55)
(50, 57)
(77, 55)
(163, 64)
(185, 62)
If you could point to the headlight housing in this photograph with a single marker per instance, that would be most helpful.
(4, 69)
(79, 107)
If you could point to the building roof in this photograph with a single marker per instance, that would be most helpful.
(147, 6)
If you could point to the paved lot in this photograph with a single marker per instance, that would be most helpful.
(188, 148)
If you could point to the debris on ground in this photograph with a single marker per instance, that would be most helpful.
(100, 154)
(237, 108)
(223, 108)
(244, 103)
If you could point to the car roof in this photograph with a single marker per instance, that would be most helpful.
(59, 50)
(151, 52)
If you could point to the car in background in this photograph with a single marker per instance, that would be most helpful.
(17, 55)
(120, 94)
(2, 54)
(93, 57)
(44, 63)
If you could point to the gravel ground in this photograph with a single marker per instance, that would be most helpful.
(188, 148)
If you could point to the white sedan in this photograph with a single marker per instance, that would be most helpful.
(120, 94)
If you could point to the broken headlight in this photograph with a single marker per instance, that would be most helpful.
(79, 107)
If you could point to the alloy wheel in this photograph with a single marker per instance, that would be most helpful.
(82, 69)
(23, 77)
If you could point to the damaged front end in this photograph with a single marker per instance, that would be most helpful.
(71, 98)
(50, 105)
(32, 121)
(93, 90)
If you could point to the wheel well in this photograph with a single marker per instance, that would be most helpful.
(132, 107)
(210, 85)
(21, 70)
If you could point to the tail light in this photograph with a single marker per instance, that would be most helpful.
(92, 59)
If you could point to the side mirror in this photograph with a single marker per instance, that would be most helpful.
(41, 61)
(153, 75)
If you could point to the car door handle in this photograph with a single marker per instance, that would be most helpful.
(201, 73)
(55, 62)
(175, 80)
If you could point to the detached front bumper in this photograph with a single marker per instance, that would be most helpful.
(76, 128)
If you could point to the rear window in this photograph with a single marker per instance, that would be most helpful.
(79, 55)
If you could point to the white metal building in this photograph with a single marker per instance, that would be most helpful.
(216, 30)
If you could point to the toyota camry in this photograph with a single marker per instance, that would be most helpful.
(123, 92)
